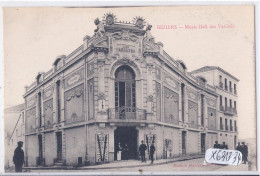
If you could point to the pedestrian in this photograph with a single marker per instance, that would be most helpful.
(152, 150)
(244, 149)
(224, 146)
(119, 151)
(238, 147)
(142, 149)
(216, 145)
(18, 157)
(126, 152)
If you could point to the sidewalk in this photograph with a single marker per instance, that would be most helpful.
(119, 164)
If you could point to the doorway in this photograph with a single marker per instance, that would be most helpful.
(59, 145)
(203, 138)
(40, 150)
(183, 136)
(127, 137)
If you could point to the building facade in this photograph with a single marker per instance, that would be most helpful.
(118, 86)
(226, 88)
(14, 131)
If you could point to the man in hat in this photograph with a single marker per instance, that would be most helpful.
(152, 150)
(244, 151)
(18, 157)
(216, 145)
(238, 147)
(142, 149)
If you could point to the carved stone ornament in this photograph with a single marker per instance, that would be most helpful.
(149, 36)
(100, 31)
(150, 98)
(101, 96)
(125, 61)
(139, 22)
(124, 35)
(76, 92)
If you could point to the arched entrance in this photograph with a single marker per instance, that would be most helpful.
(127, 137)
(125, 93)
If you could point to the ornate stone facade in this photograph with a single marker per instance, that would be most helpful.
(87, 106)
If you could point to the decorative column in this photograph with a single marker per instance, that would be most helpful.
(101, 56)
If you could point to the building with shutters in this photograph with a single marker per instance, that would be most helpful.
(118, 86)
(226, 88)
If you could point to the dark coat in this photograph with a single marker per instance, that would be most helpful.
(18, 157)
(142, 149)
(216, 146)
(152, 149)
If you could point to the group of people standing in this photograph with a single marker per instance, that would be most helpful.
(122, 152)
(244, 150)
(142, 149)
(220, 146)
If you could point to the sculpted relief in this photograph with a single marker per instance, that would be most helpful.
(125, 44)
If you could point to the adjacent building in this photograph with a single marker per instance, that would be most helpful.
(119, 86)
(226, 88)
(14, 122)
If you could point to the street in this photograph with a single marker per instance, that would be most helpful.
(188, 165)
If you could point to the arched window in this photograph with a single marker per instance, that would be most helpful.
(125, 92)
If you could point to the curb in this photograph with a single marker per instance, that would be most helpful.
(113, 167)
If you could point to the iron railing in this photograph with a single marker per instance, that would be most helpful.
(228, 110)
(126, 113)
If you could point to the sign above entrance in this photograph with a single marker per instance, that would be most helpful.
(125, 44)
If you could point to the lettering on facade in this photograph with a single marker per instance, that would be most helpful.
(125, 43)
(101, 148)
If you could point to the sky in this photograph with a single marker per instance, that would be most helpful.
(34, 37)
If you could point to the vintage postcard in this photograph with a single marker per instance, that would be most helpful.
(130, 89)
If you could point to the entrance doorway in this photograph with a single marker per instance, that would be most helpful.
(203, 141)
(39, 162)
(127, 137)
(183, 136)
(59, 145)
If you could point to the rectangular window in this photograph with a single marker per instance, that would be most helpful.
(235, 104)
(225, 101)
(235, 89)
(230, 86)
(202, 110)
(226, 86)
(221, 124)
(230, 103)
(226, 125)
(220, 81)
(58, 101)
(40, 108)
(220, 100)
(235, 125)
(182, 102)
(231, 127)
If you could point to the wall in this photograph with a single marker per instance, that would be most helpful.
(32, 149)
(75, 145)
(50, 148)
(193, 142)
